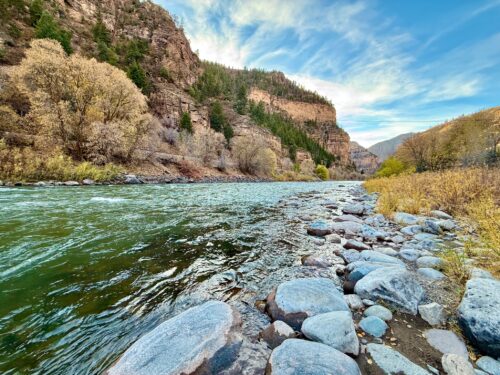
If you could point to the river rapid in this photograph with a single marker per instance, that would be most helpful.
(85, 271)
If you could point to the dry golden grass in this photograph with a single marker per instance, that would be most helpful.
(471, 194)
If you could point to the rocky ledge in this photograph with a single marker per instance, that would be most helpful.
(370, 298)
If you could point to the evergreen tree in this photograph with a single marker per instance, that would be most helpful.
(47, 28)
(217, 118)
(137, 74)
(36, 10)
(186, 123)
(241, 100)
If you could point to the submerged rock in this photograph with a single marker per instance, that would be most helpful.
(392, 362)
(276, 333)
(300, 357)
(393, 285)
(298, 299)
(335, 329)
(479, 314)
(203, 339)
(132, 179)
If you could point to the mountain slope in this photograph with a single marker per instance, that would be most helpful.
(142, 39)
(365, 162)
(466, 140)
(388, 147)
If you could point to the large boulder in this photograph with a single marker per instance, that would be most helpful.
(203, 339)
(430, 262)
(348, 227)
(335, 329)
(132, 179)
(300, 357)
(394, 285)
(296, 300)
(358, 270)
(377, 257)
(446, 342)
(479, 315)
(354, 209)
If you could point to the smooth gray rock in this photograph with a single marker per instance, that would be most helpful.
(354, 302)
(424, 236)
(446, 342)
(393, 362)
(431, 226)
(298, 299)
(456, 365)
(447, 225)
(354, 209)
(386, 251)
(430, 262)
(333, 238)
(319, 228)
(356, 245)
(316, 261)
(351, 256)
(358, 270)
(431, 273)
(478, 273)
(489, 365)
(203, 339)
(440, 215)
(347, 227)
(433, 313)
(479, 315)
(88, 182)
(335, 329)
(276, 333)
(352, 218)
(393, 285)
(71, 183)
(371, 234)
(376, 257)
(373, 325)
(132, 179)
(405, 219)
(411, 230)
(368, 302)
(410, 255)
(300, 357)
(398, 239)
(379, 311)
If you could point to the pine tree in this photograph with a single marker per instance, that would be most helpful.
(186, 123)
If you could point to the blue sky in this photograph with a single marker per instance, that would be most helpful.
(388, 66)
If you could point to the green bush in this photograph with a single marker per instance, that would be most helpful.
(137, 74)
(165, 74)
(322, 172)
(47, 28)
(390, 167)
(186, 123)
(218, 121)
(36, 10)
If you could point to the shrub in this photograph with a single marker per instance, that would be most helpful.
(253, 156)
(137, 74)
(36, 11)
(165, 74)
(85, 105)
(322, 172)
(391, 167)
(185, 123)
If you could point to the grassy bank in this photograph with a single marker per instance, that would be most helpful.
(471, 195)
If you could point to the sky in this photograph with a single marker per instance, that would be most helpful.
(388, 66)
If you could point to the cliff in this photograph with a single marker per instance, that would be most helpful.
(365, 162)
(388, 147)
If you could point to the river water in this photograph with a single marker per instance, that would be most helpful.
(85, 271)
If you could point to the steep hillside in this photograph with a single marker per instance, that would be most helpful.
(386, 148)
(365, 162)
(466, 140)
(215, 106)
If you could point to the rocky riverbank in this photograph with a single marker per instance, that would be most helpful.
(132, 179)
(369, 297)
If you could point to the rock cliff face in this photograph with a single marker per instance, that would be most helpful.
(386, 148)
(365, 162)
(316, 119)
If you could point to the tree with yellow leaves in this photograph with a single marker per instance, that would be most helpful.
(90, 108)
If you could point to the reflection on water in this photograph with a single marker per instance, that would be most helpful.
(85, 271)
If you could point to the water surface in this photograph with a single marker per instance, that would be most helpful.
(85, 271)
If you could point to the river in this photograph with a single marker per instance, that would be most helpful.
(85, 271)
